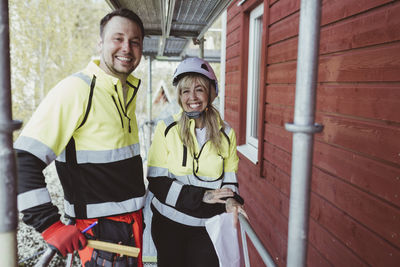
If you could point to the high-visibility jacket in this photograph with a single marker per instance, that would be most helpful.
(178, 177)
(85, 126)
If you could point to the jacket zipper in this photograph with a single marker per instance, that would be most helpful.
(119, 112)
(196, 157)
(123, 111)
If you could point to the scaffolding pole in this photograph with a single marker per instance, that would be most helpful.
(8, 195)
(303, 129)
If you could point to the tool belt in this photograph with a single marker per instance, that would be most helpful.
(114, 232)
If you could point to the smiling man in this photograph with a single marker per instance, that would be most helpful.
(87, 125)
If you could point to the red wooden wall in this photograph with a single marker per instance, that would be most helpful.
(355, 198)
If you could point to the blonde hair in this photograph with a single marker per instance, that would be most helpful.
(211, 117)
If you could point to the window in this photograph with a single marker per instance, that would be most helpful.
(250, 149)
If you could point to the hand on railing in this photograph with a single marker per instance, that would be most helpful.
(235, 207)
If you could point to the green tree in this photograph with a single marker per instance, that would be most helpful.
(49, 39)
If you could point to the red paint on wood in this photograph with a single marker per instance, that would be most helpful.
(271, 2)
(369, 138)
(278, 115)
(284, 73)
(233, 51)
(280, 95)
(314, 257)
(364, 65)
(334, 10)
(376, 27)
(232, 11)
(233, 37)
(376, 178)
(283, 9)
(282, 51)
(333, 250)
(267, 196)
(277, 177)
(284, 29)
(279, 137)
(375, 101)
(233, 24)
(376, 215)
(280, 158)
(358, 184)
(232, 65)
(376, 64)
(372, 249)
(232, 77)
(272, 226)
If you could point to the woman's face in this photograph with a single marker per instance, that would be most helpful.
(194, 96)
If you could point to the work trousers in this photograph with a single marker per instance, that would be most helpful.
(127, 228)
(180, 245)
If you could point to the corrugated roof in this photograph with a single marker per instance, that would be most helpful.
(170, 25)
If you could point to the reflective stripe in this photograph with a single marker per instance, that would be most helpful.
(83, 77)
(157, 171)
(168, 120)
(230, 177)
(227, 128)
(107, 208)
(177, 216)
(190, 179)
(35, 147)
(69, 208)
(33, 198)
(231, 186)
(111, 208)
(173, 193)
(104, 156)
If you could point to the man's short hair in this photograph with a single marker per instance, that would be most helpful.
(122, 12)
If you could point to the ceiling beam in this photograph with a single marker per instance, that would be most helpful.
(213, 16)
(168, 11)
(114, 4)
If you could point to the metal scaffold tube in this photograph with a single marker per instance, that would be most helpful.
(8, 201)
(303, 130)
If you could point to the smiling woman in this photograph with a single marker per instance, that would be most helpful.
(194, 95)
(192, 166)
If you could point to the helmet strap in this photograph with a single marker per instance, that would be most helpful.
(194, 114)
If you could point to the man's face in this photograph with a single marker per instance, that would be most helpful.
(121, 47)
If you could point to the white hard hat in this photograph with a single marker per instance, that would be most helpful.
(195, 65)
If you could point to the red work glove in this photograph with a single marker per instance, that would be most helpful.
(64, 238)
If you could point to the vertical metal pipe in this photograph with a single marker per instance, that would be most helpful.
(201, 46)
(149, 104)
(221, 83)
(303, 130)
(8, 200)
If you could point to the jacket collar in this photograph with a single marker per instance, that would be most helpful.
(108, 80)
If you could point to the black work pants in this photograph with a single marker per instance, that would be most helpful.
(180, 245)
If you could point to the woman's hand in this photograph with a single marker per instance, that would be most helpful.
(216, 195)
(232, 205)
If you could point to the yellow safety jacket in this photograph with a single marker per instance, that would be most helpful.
(85, 126)
(178, 178)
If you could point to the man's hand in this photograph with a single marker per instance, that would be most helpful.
(216, 195)
(64, 238)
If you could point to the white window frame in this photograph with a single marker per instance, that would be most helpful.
(250, 149)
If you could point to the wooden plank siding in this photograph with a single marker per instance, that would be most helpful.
(355, 189)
